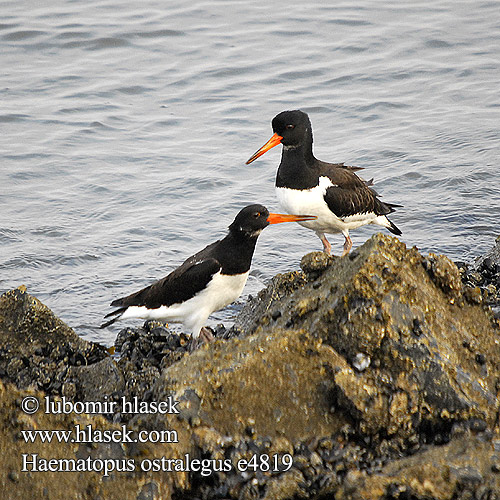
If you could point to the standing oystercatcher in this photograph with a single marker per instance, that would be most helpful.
(206, 282)
(331, 191)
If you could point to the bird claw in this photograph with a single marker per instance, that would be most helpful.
(347, 246)
(205, 337)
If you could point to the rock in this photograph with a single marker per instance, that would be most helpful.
(408, 316)
(95, 382)
(220, 386)
(369, 376)
(152, 345)
(144, 352)
(314, 264)
(389, 305)
(127, 485)
(445, 275)
(458, 470)
(36, 347)
(482, 278)
(256, 308)
(490, 262)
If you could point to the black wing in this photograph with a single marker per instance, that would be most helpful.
(180, 285)
(345, 202)
(351, 195)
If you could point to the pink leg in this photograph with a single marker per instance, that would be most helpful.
(327, 248)
(347, 245)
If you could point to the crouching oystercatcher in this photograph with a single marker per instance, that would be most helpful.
(331, 191)
(207, 281)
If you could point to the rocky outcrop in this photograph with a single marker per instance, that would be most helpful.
(373, 376)
(466, 467)
(108, 464)
(421, 351)
(483, 276)
(36, 347)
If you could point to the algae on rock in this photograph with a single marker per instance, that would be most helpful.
(36, 347)
(409, 317)
(376, 372)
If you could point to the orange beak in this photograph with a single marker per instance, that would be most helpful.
(274, 141)
(278, 218)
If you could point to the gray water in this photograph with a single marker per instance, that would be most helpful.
(125, 127)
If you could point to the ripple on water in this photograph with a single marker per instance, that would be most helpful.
(124, 124)
(14, 117)
(74, 35)
(36, 261)
(161, 33)
(8, 236)
(107, 43)
(17, 36)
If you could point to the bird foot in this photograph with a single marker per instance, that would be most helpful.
(347, 246)
(205, 337)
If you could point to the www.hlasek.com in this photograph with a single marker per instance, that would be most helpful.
(87, 434)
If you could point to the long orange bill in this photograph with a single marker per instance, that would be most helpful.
(278, 218)
(274, 141)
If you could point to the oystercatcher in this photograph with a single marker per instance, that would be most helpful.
(331, 191)
(207, 281)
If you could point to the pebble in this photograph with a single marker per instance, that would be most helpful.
(14, 476)
(361, 361)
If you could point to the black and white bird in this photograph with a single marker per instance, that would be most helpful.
(207, 281)
(331, 191)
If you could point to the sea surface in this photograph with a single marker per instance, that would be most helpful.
(125, 127)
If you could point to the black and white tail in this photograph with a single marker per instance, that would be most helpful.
(393, 228)
(117, 313)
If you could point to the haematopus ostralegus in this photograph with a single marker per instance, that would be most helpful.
(207, 281)
(333, 192)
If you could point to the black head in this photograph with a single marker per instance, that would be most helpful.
(254, 218)
(293, 126)
(293, 130)
(250, 221)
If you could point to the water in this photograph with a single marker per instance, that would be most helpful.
(125, 126)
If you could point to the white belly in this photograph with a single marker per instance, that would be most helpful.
(220, 292)
(311, 202)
